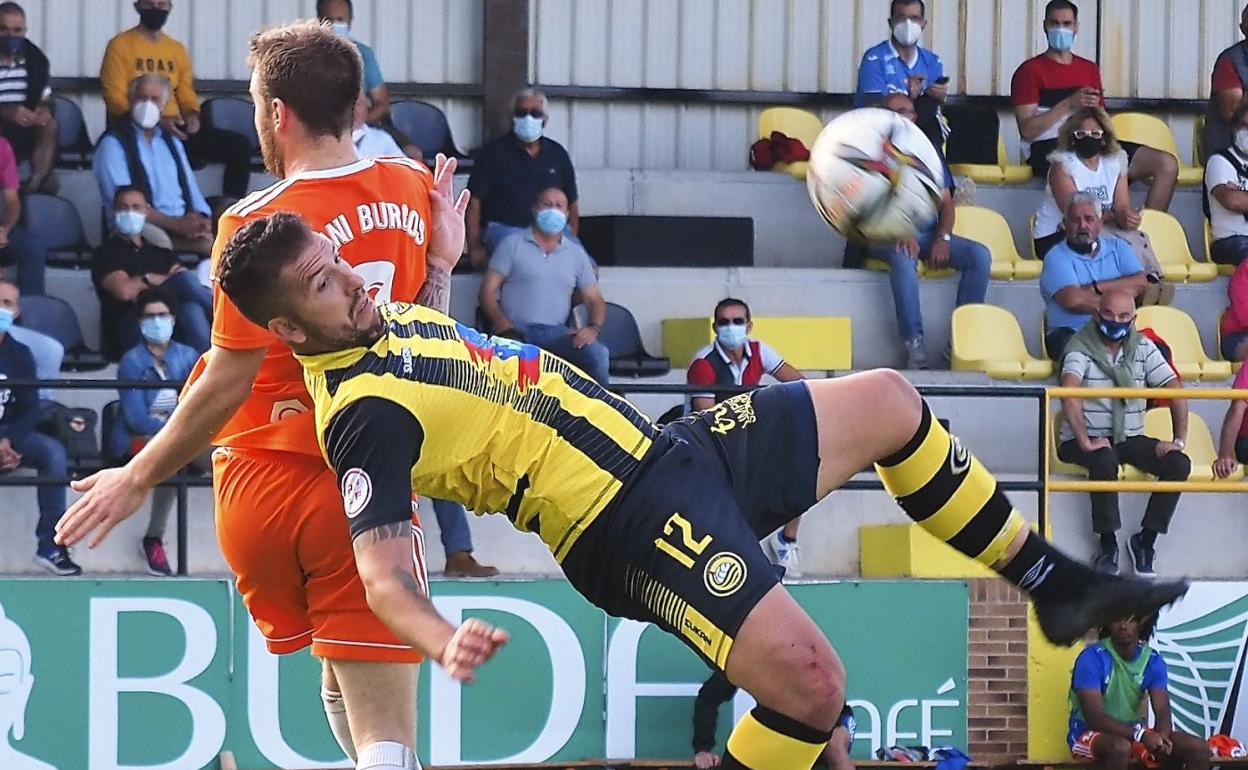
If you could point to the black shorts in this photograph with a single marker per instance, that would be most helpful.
(678, 546)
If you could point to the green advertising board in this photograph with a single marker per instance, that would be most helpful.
(129, 674)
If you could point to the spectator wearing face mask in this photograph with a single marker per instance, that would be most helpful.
(125, 264)
(527, 292)
(900, 65)
(734, 359)
(144, 411)
(510, 171)
(145, 50)
(1226, 190)
(139, 152)
(1047, 88)
(26, 99)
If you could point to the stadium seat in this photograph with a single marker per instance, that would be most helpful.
(56, 318)
(1179, 332)
(628, 356)
(428, 128)
(987, 338)
(238, 116)
(990, 228)
(1003, 172)
(1170, 245)
(1200, 445)
(794, 123)
(1222, 269)
(72, 140)
(58, 224)
(1153, 132)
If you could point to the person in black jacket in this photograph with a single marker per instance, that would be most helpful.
(22, 445)
(26, 99)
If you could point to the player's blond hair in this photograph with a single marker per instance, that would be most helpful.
(315, 72)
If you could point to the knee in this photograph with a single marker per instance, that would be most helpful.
(1102, 464)
(819, 685)
(1113, 750)
(981, 257)
(49, 129)
(895, 394)
(1176, 466)
(1167, 165)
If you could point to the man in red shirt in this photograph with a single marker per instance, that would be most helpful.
(1226, 93)
(1047, 88)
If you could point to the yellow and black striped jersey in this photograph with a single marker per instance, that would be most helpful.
(436, 408)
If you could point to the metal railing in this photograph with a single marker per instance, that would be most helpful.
(1040, 395)
(1088, 485)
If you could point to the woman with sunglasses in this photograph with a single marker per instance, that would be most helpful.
(1087, 159)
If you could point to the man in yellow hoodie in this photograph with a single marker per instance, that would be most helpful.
(144, 49)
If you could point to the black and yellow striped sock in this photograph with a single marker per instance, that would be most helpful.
(944, 488)
(767, 740)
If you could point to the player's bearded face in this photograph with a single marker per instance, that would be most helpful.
(331, 309)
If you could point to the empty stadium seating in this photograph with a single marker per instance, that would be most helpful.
(988, 339)
(1200, 445)
(1180, 333)
(795, 124)
(990, 228)
(1170, 244)
(1003, 172)
(1152, 131)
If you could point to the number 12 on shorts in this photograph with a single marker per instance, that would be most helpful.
(687, 545)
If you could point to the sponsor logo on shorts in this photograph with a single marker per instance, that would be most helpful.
(725, 573)
(357, 490)
(691, 629)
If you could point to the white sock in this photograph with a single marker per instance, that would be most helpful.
(387, 755)
(336, 713)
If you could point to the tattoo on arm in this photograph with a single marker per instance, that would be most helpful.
(384, 532)
(436, 293)
(408, 580)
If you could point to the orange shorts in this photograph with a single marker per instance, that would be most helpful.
(284, 534)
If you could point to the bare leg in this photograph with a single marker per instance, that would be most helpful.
(43, 155)
(380, 700)
(1112, 752)
(836, 755)
(1190, 752)
(1162, 169)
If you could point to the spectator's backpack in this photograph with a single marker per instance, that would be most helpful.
(75, 428)
(1240, 170)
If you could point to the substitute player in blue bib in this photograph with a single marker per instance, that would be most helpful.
(1110, 681)
(656, 525)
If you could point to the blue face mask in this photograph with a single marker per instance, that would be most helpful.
(551, 221)
(527, 129)
(11, 44)
(340, 28)
(1113, 330)
(157, 330)
(1061, 38)
(6, 319)
(129, 222)
(731, 336)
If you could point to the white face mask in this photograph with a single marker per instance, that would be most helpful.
(1241, 140)
(907, 32)
(146, 114)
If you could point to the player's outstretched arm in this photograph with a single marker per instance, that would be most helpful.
(112, 495)
(383, 556)
(446, 236)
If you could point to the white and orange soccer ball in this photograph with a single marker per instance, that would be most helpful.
(874, 176)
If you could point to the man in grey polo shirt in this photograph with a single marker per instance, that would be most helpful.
(1101, 433)
(527, 291)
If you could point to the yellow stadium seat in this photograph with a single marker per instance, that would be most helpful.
(1170, 245)
(987, 338)
(1152, 131)
(881, 266)
(1179, 332)
(817, 343)
(1002, 172)
(794, 123)
(1222, 269)
(1200, 446)
(990, 228)
(1031, 242)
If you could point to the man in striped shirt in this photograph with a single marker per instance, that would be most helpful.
(1101, 433)
(26, 99)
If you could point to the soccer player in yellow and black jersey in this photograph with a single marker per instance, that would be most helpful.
(656, 525)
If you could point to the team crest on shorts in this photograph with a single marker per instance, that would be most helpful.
(357, 490)
(724, 574)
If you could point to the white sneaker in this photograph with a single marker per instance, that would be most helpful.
(784, 553)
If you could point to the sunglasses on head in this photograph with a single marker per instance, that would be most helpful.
(533, 113)
(730, 322)
(1095, 133)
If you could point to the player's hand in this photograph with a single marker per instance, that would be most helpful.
(447, 234)
(109, 498)
(1224, 467)
(938, 257)
(584, 336)
(473, 643)
(1094, 443)
(705, 759)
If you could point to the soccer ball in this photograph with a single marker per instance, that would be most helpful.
(874, 176)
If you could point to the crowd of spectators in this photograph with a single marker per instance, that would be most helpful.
(541, 286)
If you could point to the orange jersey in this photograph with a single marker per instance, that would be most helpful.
(376, 211)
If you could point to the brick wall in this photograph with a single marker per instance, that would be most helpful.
(997, 667)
